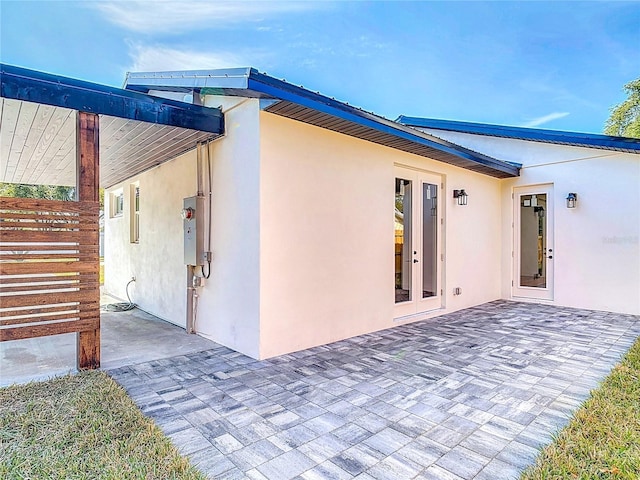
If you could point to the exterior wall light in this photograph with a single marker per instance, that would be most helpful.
(461, 196)
(572, 200)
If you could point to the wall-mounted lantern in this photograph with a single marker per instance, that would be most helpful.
(461, 196)
(572, 200)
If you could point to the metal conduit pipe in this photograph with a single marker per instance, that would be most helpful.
(191, 290)
(191, 276)
(194, 278)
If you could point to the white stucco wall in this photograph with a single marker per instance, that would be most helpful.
(597, 245)
(326, 263)
(303, 232)
(302, 236)
(229, 303)
(157, 260)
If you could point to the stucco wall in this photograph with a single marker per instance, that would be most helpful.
(597, 254)
(229, 302)
(157, 260)
(327, 235)
(597, 245)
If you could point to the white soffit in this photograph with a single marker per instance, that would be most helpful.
(38, 145)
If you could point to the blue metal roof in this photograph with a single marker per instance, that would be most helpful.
(39, 87)
(606, 142)
(310, 107)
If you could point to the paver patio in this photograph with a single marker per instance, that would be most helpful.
(469, 395)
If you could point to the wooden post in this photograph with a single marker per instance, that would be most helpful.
(88, 183)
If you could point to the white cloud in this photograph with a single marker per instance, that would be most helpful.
(545, 119)
(145, 58)
(165, 16)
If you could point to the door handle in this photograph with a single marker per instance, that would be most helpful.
(550, 257)
(415, 261)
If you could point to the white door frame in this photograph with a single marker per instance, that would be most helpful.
(418, 303)
(519, 287)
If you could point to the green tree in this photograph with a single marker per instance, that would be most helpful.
(624, 120)
(47, 192)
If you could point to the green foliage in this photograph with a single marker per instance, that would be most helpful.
(46, 192)
(624, 120)
(602, 441)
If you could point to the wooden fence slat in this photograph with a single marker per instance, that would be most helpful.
(39, 205)
(49, 309)
(39, 310)
(58, 316)
(48, 267)
(46, 247)
(54, 257)
(7, 225)
(46, 299)
(89, 237)
(48, 286)
(70, 217)
(52, 277)
(56, 328)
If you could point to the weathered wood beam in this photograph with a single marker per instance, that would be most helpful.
(39, 87)
(88, 170)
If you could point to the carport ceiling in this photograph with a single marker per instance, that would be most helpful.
(38, 145)
(137, 131)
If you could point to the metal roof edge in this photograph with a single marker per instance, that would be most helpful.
(534, 134)
(286, 91)
(188, 80)
(249, 82)
(34, 86)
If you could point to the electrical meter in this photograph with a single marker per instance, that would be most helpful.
(193, 225)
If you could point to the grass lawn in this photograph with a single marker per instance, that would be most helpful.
(82, 427)
(602, 441)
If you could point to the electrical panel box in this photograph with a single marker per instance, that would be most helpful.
(193, 223)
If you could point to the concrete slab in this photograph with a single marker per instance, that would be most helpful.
(127, 338)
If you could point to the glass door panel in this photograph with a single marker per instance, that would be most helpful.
(403, 240)
(429, 240)
(533, 242)
(417, 229)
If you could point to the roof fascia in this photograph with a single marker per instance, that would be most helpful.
(285, 91)
(189, 81)
(534, 134)
(39, 87)
(248, 82)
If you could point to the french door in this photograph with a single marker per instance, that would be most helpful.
(418, 242)
(533, 242)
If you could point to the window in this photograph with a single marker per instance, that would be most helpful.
(117, 204)
(135, 213)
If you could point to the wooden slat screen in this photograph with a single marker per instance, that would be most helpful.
(49, 267)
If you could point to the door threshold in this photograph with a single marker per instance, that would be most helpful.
(545, 301)
(418, 316)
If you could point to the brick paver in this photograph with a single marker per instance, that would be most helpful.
(472, 394)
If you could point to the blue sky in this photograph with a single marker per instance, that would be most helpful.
(558, 65)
